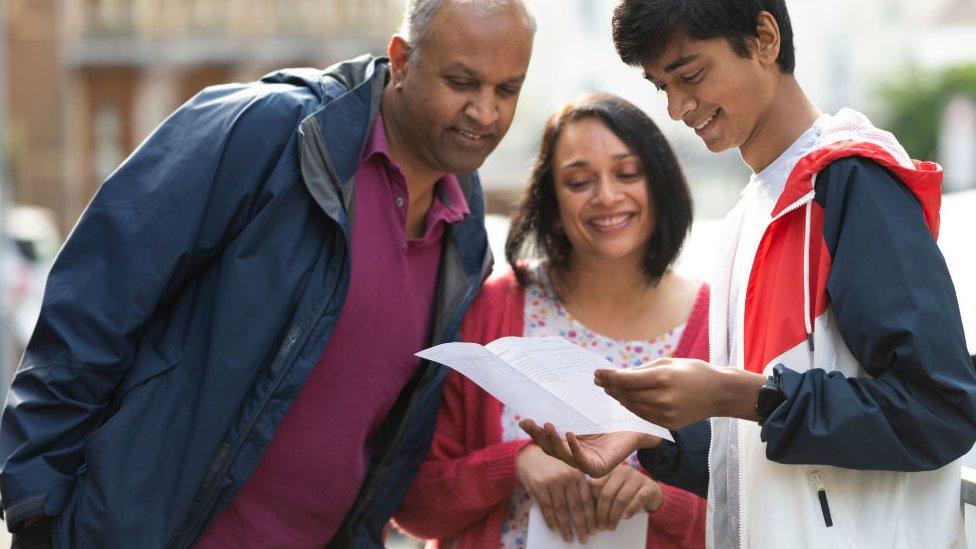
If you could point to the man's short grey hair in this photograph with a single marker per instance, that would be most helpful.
(419, 16)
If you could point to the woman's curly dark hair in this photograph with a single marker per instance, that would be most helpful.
(535, 230)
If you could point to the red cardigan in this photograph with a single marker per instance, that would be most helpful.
(462, 490)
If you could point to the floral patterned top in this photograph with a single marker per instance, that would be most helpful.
(545, 316)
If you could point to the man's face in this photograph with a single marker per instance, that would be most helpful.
(719, 94)
(460, 91)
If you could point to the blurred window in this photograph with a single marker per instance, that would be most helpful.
(109, 16)
(107, 134)
(957, 143)
(589, 15)
(892, 11)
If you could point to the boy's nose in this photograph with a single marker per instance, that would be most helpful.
(679, 104)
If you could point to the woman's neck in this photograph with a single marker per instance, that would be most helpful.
(616, 299)
(603, 283)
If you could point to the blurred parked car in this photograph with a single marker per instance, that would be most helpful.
(32, 241)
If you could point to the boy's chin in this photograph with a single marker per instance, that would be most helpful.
(718, 146)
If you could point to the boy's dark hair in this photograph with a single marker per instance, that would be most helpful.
(642, 29)
(535, 226)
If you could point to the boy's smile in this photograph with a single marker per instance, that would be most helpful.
(719, 94)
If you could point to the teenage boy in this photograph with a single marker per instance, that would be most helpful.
(839, 389)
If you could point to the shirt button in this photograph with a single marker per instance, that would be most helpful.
(398, 201)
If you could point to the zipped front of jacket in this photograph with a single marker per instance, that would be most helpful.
(295, 340)
(314, 160)
(730, 462)
(802, 238)
(818, 273)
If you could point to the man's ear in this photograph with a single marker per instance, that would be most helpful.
(399, 53)
(767, 38)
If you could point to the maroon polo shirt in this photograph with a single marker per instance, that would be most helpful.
(310, 474)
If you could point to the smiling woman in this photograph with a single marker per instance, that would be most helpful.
(603, 219)
(596, 148)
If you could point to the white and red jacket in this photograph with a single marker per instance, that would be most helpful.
(850, 302)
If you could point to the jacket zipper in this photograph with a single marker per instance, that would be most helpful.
(802, 202)
(296, 335)
(219, 469)
(713, 329)
(822, 497)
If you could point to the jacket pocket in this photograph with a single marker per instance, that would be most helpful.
(864, 508)
(130, 405)
(111, 498)
(833, 518)
(818, 484)
(154, 358)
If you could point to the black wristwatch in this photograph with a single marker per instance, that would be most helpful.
(770, 396)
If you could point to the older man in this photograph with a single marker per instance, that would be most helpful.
(225, 353)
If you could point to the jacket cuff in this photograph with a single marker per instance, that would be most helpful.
(659, 461)
(790, 382)
(16, 514)
(49, 504)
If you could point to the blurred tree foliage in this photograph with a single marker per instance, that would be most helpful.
(913, 106)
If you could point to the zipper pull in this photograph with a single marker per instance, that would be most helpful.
(822, 496)
(810, 341)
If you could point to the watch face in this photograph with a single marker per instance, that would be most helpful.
(770, 396)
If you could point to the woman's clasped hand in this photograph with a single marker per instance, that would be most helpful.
(578, 506)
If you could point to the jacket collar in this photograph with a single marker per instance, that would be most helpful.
(335, 136)
(851, 134)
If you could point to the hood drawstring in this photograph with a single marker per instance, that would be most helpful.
(807, 322)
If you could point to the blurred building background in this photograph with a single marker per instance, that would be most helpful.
(89, 79)
(85, 81)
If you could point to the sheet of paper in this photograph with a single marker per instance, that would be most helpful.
(506, 384)
(630, 533)
(547, 379)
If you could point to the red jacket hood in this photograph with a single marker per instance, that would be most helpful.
(849, 133)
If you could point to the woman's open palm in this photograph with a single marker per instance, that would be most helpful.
(595, 455)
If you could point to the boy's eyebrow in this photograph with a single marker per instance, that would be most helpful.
(681, 61)
(675, 65)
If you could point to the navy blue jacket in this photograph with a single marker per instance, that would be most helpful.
(190, 304)
(897, 312)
